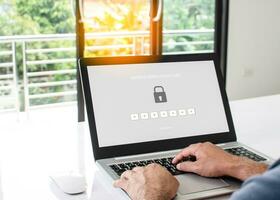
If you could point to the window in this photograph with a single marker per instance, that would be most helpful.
(127, 28)
(151, 27)
(115, 28)
(188, 26)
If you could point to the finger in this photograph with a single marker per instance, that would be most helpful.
(121, 183)
(127, 174)
(116, 183)
(188, 166)
(152, 165)
(183, 153)
(190, 150)
(137, 169)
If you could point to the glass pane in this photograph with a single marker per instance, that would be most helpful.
(117, 27)
(188, 26)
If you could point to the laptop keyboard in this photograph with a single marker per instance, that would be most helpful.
(167, 162)
(241, 151)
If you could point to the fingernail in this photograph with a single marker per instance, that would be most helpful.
(115, 183)
(178, 166)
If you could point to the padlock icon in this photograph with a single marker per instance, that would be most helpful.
(159, 94)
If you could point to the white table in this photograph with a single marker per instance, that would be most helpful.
(33, 149)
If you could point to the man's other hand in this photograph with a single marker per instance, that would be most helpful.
(212, 161)
(152, 182)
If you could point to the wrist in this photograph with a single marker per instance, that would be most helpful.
(157, 197)
(158, 194)
(243, 168)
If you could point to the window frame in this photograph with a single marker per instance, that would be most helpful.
(156, 35)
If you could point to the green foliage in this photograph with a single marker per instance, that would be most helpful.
(21, 17)
(188, 15)
(118, 15)
(32, 17)
(12, 23)
(52, 16)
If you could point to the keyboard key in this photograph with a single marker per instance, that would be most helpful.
(165, 162)
(241, 151)
(115, 167)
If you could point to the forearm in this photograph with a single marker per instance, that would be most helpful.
(243, 168)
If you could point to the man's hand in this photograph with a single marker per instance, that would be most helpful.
(152, 182)
(212, 161)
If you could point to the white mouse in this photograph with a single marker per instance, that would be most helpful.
(70, 184)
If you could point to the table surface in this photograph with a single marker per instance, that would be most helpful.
(38, 146)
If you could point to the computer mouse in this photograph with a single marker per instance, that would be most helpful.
(70, 184)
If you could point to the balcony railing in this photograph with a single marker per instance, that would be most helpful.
(31, 76)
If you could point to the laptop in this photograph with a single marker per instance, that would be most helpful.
(146, 109)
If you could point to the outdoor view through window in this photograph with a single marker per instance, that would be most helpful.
(38, 42)
(122, 27)
(37, 54)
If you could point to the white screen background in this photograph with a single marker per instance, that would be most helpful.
(122, 92)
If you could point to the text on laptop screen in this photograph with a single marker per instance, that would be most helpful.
(137, 103)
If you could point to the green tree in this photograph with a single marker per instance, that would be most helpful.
(188, 15)
(32, 17)
(12, 23)
(21, 17)
(52, 16)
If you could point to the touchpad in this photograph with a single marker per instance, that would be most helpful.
(191, 183)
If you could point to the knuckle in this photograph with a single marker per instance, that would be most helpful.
(152, 165)
(207, 143)
(199, 144)
(138, 169)
(122, 176)
(126, 174)
(192, 145)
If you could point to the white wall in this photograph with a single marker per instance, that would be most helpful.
(253, 48)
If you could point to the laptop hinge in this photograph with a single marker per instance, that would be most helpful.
(147, 154)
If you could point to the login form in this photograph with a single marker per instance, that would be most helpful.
(136, 103)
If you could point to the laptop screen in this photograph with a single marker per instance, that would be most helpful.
(135, 103)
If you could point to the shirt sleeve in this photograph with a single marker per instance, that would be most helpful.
(266, 186)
